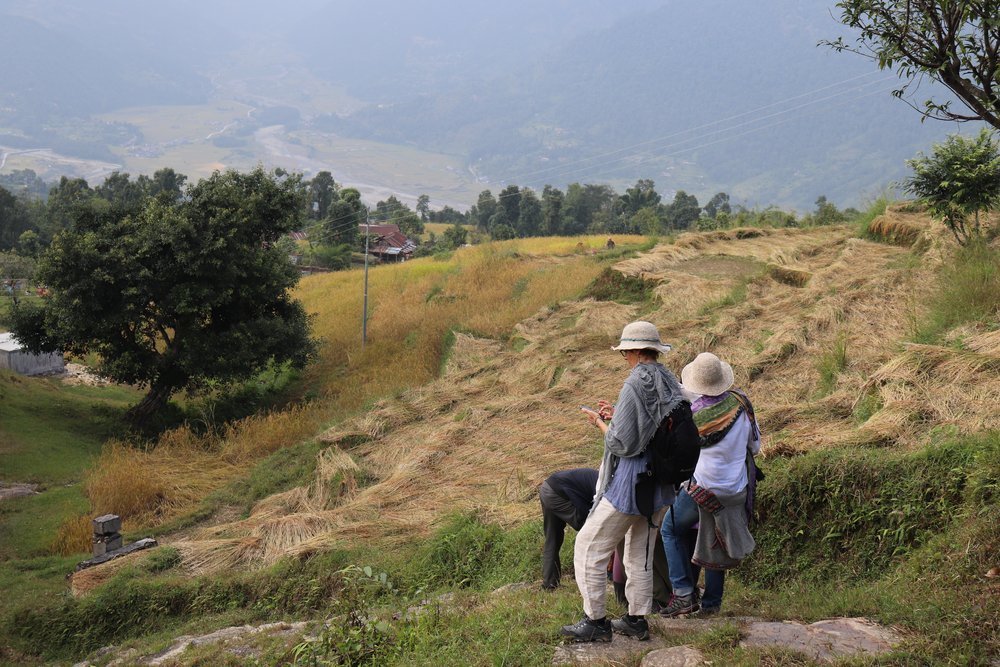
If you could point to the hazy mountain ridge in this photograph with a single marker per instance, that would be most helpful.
(645, 85)
(701, 97)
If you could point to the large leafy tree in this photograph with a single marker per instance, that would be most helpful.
(959, 180)
(683, 211)
(529, 218)
(552, 214)
(322, 193)
(641, 195)
(176, 295)
(484, 210)
(344, 214)
(14, 219)
(955, 42)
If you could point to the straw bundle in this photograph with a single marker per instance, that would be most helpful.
(789, 275)
(893, 229)
(86, 580)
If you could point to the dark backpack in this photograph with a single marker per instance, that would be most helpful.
(674, 448)
(673, 454)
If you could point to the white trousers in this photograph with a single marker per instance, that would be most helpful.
(596, 542)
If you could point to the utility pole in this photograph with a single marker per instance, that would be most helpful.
(364, 317)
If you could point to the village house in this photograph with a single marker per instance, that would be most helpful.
(388, 243)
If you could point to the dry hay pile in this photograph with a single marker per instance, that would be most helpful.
(86, 580)
(900, 224)
(485, 434)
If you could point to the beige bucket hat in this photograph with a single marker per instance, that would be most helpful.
(707, 375)
(641, 336)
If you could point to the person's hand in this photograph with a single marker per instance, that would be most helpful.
(605, 410)
(592, 415)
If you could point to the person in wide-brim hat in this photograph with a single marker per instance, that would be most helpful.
(707, 375)
(649, 394)
(717, 496)
(641, 335)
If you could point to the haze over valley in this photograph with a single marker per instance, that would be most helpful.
(395, 98)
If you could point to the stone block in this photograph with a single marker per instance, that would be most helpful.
(105, 543)
(108, 524)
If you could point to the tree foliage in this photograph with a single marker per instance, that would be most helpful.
(955, 42)
(15, 219)
(395, 212)
(172, 296)
(958, 181)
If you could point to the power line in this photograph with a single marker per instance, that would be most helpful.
(528, 175)
(562, 169)
(739, 125)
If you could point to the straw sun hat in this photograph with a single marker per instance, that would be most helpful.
(707, 375)
(641, 336)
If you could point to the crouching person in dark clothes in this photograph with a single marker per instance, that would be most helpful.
(566, 497)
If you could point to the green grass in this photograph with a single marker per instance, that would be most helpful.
(830, 364)
(875, 209)
(28, 525)
(285, 469)
(901, 537)
(735, 296)
(50, 431)
(968, 290)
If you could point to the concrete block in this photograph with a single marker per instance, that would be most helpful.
(106, 543)
(107, 524)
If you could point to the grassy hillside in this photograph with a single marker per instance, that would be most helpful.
(874, 367)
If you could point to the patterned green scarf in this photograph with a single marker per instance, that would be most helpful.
(714, 421)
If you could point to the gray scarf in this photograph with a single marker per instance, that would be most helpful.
(649, 394)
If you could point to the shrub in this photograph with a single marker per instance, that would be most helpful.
(958, 181)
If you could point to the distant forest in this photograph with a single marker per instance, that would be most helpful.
(332, 215)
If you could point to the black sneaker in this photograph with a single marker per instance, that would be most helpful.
(631, 626)
(680, 605)
(588, 630)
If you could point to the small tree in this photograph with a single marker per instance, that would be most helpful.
(958, 181)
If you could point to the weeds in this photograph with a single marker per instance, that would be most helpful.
(968, 291)
(467, 553)
(737, 295)
(864, 220)
(853, 513)
(831, 363)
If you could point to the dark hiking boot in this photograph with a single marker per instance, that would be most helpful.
(588, 630)
(704, 611)
(631, 626)
(680, 605)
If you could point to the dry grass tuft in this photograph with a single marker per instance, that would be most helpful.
(149, 486)
(893, 229)
(74, 536)
(789, 275)
(84, 581)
